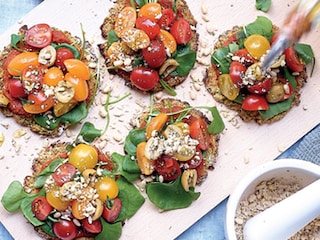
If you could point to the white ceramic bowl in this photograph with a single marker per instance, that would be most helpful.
(287, 170)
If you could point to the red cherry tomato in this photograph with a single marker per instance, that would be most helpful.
(150, 27)
(38, 102)
(245, 56)
(253, 102)
(196, 160)
(16, 89)
(262, 87)
(33, 75)
(64, 173)
(237, 70)
(111, 214)
(144, 78)
(64, 229)
(287, 93)
(199, 131)
(154, 54)
(94, 227)
(167, 167)
(61, 55)
(39, 35)
(292, 59)
(60, 37)
(41, 208)
(181, 31)
(167, 18)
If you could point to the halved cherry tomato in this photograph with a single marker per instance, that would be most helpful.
(156, 124)
(232, 38)
(80, 87)
(38, 102)
(92, 227)
(237, 71)
(151, 11)
(292, 59)
(150, 27)
(154, 54)
(110, 214)
(41, 208)
(39, 35)
(107, 188)
(83, 156)
(77, 68)
(64, 173)
(168, 40)
(33, 75)
(199, 131)
(196, 160)
(62, 55)
(288, 88)
(167, 18)
(167, 167)
(53, 76)
(245, 56)
(257, 45)
(16, 89)
(144, 78)
(78, 209)
(181, 31)
(254, 102)
(262, 87)
(60, 37)
(55, 201)
(227, 87)
(126, 19)
(65, 229)
(21, 61)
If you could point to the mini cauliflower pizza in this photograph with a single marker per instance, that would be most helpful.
(75, 192)
(151, 45)
(236, 79)
(174, 145)
(47, 79)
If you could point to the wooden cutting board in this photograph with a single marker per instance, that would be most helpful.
(242, 146)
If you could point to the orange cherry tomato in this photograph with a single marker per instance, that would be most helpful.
(53, 76)
(55, 201)
(107, 187)
(78, 68)
(126, 19)
(151, 11)
(80, 86)
(38, 103)
(21, 61)
(168, 40)
(77, 209)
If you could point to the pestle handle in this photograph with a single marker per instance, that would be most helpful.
(284, 219)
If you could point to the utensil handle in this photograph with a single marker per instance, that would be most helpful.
(284, 219)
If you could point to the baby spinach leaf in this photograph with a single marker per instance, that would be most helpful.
(263, 5)
(110, 231)
(134, 137)
(112, 37)
(89, 132)
(169, 196)
(221, 59)
(262, 25)
(305, 52)
(130, 165)
(217, 124)
(13, 196)
(15, 39)
(186, 59)
(119, 159)
(41, 178)
(128, 192)
(75, 115)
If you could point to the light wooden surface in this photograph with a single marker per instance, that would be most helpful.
(240, 150)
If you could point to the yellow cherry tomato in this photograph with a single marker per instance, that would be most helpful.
(77, 68)
(106, 187)
(83, 156)
(77, 209)
(80, 87)
(53, 198)
(53, 76)
(227, 87)
(21, 61)
(126, 19)
(151, 11)
(168, 40)
(257, 45)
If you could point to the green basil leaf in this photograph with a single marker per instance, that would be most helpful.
(41, 178)
(89, 132)
(221, 59)
(112, 37)
(128, 192)
(110, 231)
(305, 52)
(13, 196)
(15, 39)
(169, 196)
(263, 5)
(186, 59)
